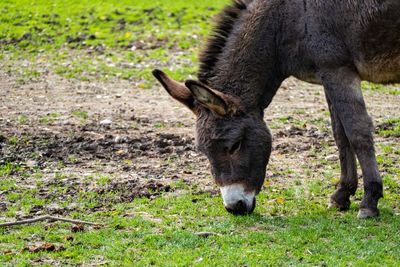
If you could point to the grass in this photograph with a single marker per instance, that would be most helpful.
(22, 119)
(49, 118)
(291, 225)
(104, 40)
(285, 230)
(81, 115)
(390, 128)
(92, 40)
(381, 88)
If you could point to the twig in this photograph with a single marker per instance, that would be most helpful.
(50, 218)
(206, 234)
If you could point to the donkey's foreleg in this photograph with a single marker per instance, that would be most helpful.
(348, 178)
(342, 87)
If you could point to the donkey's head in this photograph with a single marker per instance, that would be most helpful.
(236, 141)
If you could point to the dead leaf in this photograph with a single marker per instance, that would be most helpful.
(40, 246)
(280, 200)
(267, 183)
(128, 35)
(77, 228)
(69, 238)
(97, 226)
(8, 252)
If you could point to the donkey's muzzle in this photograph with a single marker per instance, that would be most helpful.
(241, 208)
(237, 200)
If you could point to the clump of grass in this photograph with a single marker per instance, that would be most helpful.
(390, 128)
(160, 125)
(13, 140)
(80, 114)
(22, 119)
(380, 88)
(49, 118)
(103, 180)
(8, 168)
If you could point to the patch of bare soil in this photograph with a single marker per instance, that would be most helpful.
(141, 139)
(79, 144)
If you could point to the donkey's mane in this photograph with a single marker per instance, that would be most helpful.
(225, 22)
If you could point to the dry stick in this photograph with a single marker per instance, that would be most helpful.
(206, 234)
(50, 218)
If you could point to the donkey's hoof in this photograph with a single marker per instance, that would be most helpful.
(365, 213)
(338, 206)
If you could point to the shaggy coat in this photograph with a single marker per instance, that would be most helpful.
(254, 47)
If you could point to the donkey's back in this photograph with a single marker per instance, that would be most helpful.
(362, 34)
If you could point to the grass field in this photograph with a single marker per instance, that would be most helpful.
(91, 42)
(109, 32)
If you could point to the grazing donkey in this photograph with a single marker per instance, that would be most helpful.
(254, 47)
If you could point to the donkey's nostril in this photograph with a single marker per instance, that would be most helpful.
(241, 205)
(239, 208)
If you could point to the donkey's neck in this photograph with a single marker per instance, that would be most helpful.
(247, 66)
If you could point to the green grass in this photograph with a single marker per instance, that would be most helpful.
(291, 225)
(285, 230)
(103, 39)
(390, 128)
(49, 118)
(22, 119)
(80, 114)
(393, 90)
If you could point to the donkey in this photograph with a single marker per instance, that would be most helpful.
(255, 45)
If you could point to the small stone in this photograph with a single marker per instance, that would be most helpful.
(332, 157)
(119, 139)
(3, 206)
(65, 122)
(54, 208)
(31, 163)
(106, 122)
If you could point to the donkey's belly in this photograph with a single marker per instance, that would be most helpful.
(383, 69)
(378, 55)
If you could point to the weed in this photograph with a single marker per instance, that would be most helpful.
(13, 140)
(22, 119)
(390, 127)
(103, 180)
(380, 88)
(80, 114)
(49, 118)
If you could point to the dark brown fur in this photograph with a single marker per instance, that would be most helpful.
(255, 46)
(225, 22)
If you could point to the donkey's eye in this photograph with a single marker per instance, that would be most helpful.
(235, 147)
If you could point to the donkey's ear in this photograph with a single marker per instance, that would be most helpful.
(177, 90)
(209, 98)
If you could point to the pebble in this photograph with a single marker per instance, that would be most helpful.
(31, 163)
(3, 206)
(332, 157)
(106, 122)
(119, 139)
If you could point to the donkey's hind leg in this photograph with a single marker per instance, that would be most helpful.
(342, 87)
(348, 179)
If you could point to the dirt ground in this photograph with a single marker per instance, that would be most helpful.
(143, 140)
